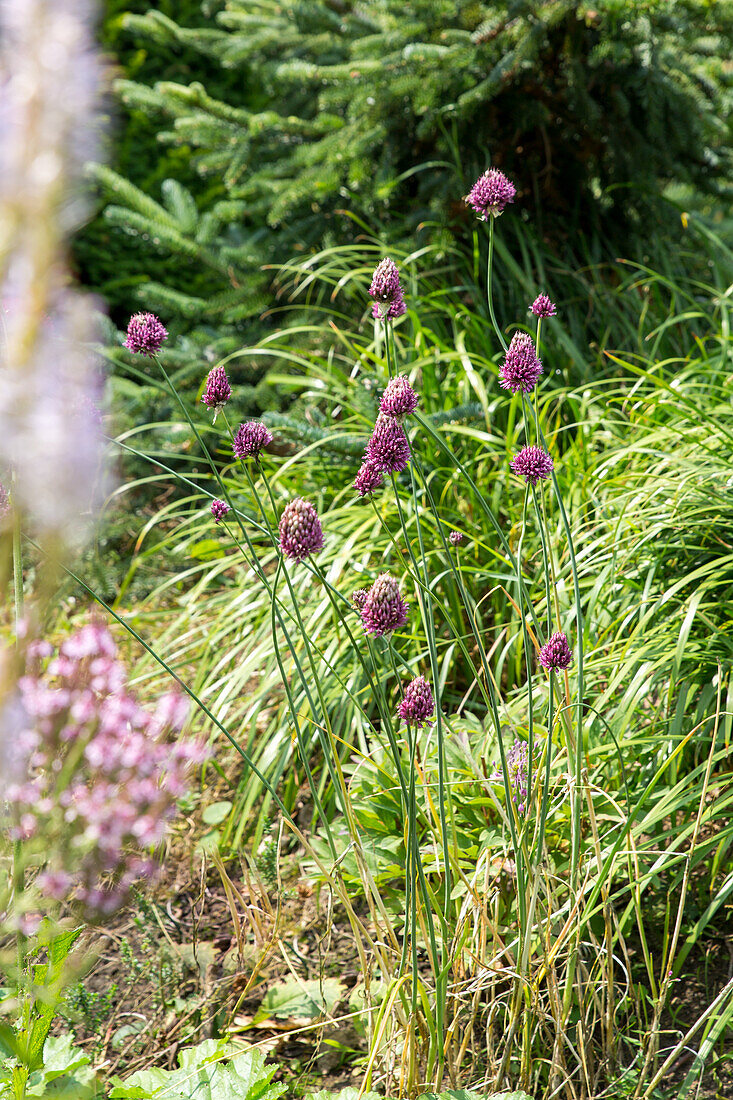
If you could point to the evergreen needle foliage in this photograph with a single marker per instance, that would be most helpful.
(299, 111)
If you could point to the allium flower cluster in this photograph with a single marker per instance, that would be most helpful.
(517, 759)
(521, 368)
(219, 510)
(300, 530)
(543, 307)
(386, 290)
(532, 463)
(145, 334)
(250, 439)
(218, 391)
(491, 193)
(556, 653)
(384, 609)
(388, 449)
(399, 399)
(369, 479)
(455, 538)
(97, 775)
(417, 704)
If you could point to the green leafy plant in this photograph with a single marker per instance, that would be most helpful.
(212, 1070)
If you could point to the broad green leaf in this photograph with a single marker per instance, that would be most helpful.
(308, 998)
(216, 813)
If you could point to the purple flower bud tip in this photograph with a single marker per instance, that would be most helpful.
(300, 530)
(145, 334)
(386, 290)
(491, 193)
(532, 463)
(521, 368)
(218, 391)
(388, 448)
(417, 705)
(384, 609)
(219, 510)
(251, 439)
(385, 285)
(455, 537)
(543, 307)
(556, 653)
(399, 399)
(369, 479)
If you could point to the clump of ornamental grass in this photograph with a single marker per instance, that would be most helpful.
(464, 951)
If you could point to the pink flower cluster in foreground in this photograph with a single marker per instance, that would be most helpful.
(96, 775)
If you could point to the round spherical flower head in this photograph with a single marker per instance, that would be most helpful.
(399, 399)
(521, 368)
(219, 510)
(145, 334)
(385, 285)
(369, 479)
(218, 391)
(384, 609)
(556, 653)
(491, 193)
(533, 464)
(300, 530)
(543, 307)
(417, 705)
(250, 439)
(455, 537)
(388, 449)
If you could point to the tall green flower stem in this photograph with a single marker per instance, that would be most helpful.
(325, 731)
(489, 273)
(575, 746)
(18, 868)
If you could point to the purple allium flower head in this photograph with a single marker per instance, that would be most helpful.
(384, 609)
(300, 530)
(491, 193)
(399, 399)
(219, 510)
(386, 291)
(455, 537)
(358, 597)
(388, 449)
(385, 285)
(543, 307)
(556, 653)
(516, 761)
(369, 478)
(145, 334)
(250, 439)
(521, 367)
(417, 705)
(532, 463)
(218, 391)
